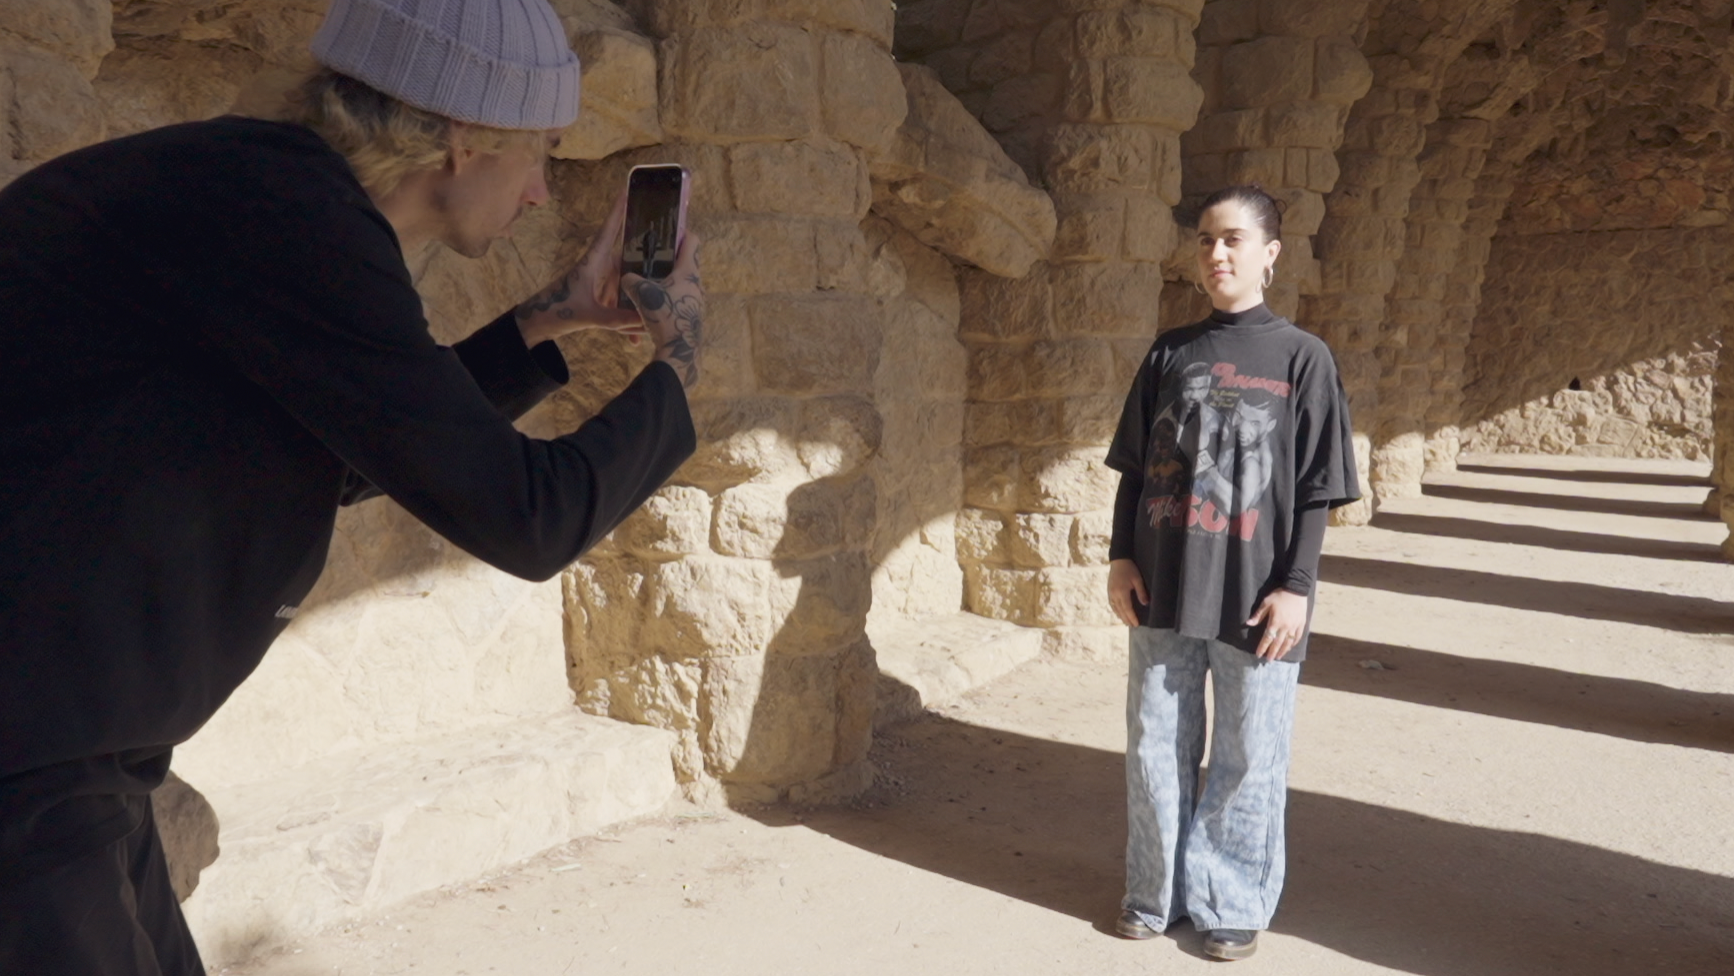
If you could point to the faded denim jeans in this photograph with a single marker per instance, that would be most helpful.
(1216, 857)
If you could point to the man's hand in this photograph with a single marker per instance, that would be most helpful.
(673, 311)
(1284, 615)
(585, 298)
(1126, 583)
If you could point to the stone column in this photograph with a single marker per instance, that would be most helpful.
(732, 609)
(1412, 358)
(1279, 77)
(1092, 98)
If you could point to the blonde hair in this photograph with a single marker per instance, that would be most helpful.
(385, 140)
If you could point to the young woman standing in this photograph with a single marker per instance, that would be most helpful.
(1233, 445)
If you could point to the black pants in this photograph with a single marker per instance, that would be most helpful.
(110, 912)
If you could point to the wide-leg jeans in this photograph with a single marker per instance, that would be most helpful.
(1216, 856)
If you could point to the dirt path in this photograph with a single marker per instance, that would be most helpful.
(1537, 777)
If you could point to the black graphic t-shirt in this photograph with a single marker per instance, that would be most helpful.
(1234, 423)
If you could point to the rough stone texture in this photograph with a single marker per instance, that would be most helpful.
(188, 827)
(945, 180)
(1628, 318)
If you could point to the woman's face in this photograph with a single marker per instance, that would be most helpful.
(1233, 255)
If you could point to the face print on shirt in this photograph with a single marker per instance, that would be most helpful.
(1210, 455)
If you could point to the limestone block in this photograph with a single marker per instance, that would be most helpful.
(767, 439)
(54, 108)
(1311, 18)
(862, 93)
(1311, 124)
(981, 537)
(144, 87)
(1153, 90)
(188, 828)
(1267, 71)
(1228, 21)
(1142, 32)
(994, 308)
(868, 17)
(1104, 645)
(771, 522)
(923, 26)
(759, 254)
(824, 603)
(79, 31)
(1085, 158)
(1067, 367)
(841, 255)
(1072, 596)
(1229, 131)
(769, 721)
(815, 344)
(1265, 166)
(1001, 594)
(933, 662)
(921, 357)
(1064, 479)
(1010, 56)
(1151, 233)
(947, 182)
(752, 82)
(708, 607)
(1106, 299)
(799, 178)
(990, 477)
(1092, 226)
(1035, 541)
(673, 522)
(1015, 101)
(618, 101)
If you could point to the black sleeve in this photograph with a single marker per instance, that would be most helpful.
(1324, 438)
(313, 305)
(513, 378)
(1126, 452)
(1304, 549)
(1125, 516)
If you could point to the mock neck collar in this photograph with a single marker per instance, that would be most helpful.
(1257, 315)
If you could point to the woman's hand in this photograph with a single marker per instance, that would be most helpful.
(585, 297)
(1284, 615)
(1126, 585)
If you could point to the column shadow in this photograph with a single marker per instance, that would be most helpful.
(1657, 478)
(1621, 707)
(1590, 601)
(1044, 822)
(1533, 535)
(1571, 503)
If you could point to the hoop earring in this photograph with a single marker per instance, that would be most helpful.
(1198, 287)
(1269, 274)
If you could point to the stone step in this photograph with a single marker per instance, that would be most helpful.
(352, 834)
(933, 661)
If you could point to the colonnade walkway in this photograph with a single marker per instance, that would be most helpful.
(1514, 755)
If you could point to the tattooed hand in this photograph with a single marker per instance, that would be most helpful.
(673, 311)
(585, 297)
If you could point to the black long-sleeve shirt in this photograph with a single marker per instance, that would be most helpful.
(208, 338)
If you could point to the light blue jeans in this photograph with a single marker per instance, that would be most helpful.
(1216, 856)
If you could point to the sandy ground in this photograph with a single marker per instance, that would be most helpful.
(1537, 778)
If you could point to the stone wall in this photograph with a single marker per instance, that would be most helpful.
(1599, 343)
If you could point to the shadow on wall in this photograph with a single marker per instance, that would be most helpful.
(1684, 614)
(1636, 710)
(1566, 540)
(1044, 822)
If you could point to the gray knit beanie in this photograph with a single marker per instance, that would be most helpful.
(499, 63)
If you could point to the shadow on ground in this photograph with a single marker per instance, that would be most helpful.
(1571, 503)
(1586, 476)
(1565, 540)
(1043, 822)
(1591, 601)
(1636, 710)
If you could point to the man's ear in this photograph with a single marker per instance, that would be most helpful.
(459, 154)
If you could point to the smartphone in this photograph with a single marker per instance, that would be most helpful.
(656, 198)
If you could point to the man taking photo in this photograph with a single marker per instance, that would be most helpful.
(209, 340)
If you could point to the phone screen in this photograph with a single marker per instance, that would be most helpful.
(653, 221)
